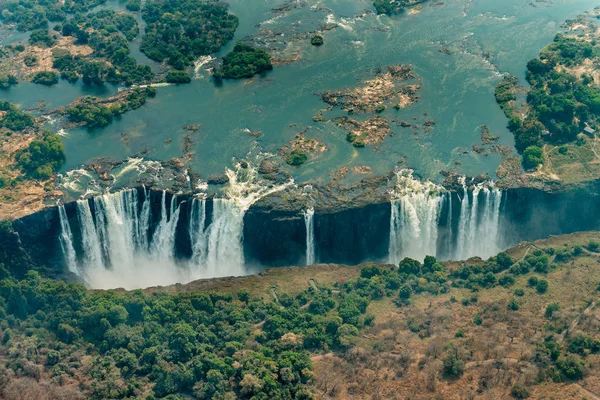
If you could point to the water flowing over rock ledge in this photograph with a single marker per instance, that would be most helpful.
(141, 237)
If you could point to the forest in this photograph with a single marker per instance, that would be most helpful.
(180, 31)
(560, 104)
(226, 345)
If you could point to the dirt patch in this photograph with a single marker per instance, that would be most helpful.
(44, 56)
(369, 132)
(388, 88)
(20, 198)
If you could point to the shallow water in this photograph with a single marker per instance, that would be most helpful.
(484, 38)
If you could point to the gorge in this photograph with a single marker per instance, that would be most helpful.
(141, 237)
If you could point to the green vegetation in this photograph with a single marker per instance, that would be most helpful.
(35, 14)
(392, 7)
(201, 344)
(7, 81)
(43, 157)
(296, 158)
(13, 119)
(41, 38)
(91, 112)
(47, 78)
(108, 33)
(178, 77)
(133, 5)
(179, 31)
(561, 104)
(244, 61)
(532, 157)
(316, 40)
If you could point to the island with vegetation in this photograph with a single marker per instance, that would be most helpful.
(555, 120)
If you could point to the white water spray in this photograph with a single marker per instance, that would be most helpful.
(415, 211)
(66, 241)
(478, 227)
(309, 216)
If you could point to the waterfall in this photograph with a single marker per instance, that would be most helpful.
(415, 212)
(197, 232)
(92, 249)
(217, 249)
(225, 254)
(449, 237)
(117, 249)
(163, 240)
(309, 215)
(66, 241)
(478, 228)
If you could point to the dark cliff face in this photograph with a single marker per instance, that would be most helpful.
(353, 236)
(529, 214)
(350, 236)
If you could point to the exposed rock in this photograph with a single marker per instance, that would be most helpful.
(217, 179)
(385, 88)
(372, 131)
(192, 127)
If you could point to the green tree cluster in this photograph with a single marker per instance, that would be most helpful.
(244, 61)
(179, 31)
(43, 157)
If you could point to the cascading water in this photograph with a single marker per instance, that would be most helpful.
(66, 241)
(197, 231)
(309, 216)
(415, 211)
(478, 227)
(115, 245)
(122, 245)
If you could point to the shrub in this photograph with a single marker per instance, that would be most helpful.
(532, 157)
(41, 38)
(133, 5)
(16, 120)
(519, 391)
(178, 77)
(453, 362)
(506, 281)
(519, 292)
(571, 366)
(7, 81)
(43, 157)
(47, 78)
(542, 286)
(513, 305)
(563, 150)
(593, 245)
(477, 320)
(551, 309)
(317, 40)
(296, 158)
(405, 292)
(532, 281)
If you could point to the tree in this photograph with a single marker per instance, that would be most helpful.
(296, 158)
(453, 362)
(316, 40)
(47, 78)
(541, 286)
(519, 391)
(532, 157)
(178, 77)
(409, 266)
(571, 366)
(513, 305)
(551, 309)
(244, 61)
